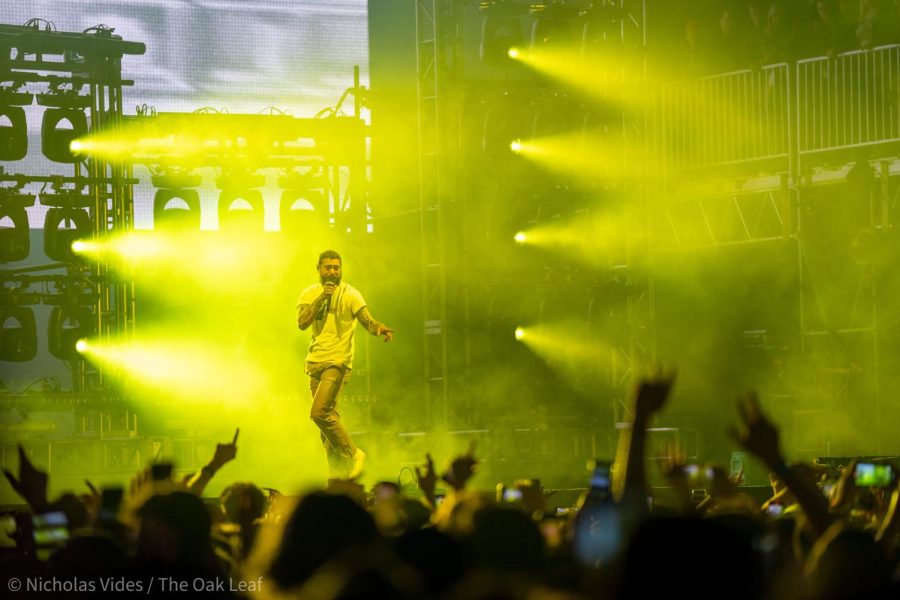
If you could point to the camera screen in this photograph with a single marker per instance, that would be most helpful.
(872, 475)
(512, 495)
(50, 528)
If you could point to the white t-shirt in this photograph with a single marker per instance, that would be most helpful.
(332, 337)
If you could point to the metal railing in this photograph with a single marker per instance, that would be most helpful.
(782, 111)
(850, 100)
(729, 118)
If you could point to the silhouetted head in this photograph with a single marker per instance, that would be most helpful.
(243, 502)
(436, 557)
(322, 529)
(678, 557)
(505, 539)
(174, 528)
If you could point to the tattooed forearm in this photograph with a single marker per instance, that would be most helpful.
(306, 313)
(365, 318)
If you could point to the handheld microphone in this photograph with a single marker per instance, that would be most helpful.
(323, 312)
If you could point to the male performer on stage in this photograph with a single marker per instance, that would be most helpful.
(332, 307)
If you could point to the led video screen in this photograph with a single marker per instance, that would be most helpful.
(239, 56)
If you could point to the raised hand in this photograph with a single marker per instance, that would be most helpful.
(652, 393)
(757, 435)
(31, 483)
(427, 478)
(462, 468)
(225, 453)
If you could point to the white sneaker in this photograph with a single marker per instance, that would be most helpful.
(356, 468)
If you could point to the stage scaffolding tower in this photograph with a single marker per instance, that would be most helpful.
(435, 24)
(36, 55)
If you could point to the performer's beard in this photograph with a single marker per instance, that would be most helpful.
(334, 280)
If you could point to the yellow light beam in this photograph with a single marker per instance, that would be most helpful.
(589, 155)
(569, 348)
(598, 75)
(180, 368)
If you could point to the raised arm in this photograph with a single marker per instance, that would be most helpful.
(759, 436)
(224, 454)
(306, 313)
(629, 477)
(372, 326)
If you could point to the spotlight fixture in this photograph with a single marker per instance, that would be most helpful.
(504, 128)
(175, 205)
(68, 325)
(303, 208)
(18, 334)
(13, 126)
(56, 139)
(67, 221)
(15, 241)
(64, 121)
(500, 35)
(241, 202)
(18, 330)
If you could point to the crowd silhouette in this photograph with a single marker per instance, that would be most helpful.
(824, 532)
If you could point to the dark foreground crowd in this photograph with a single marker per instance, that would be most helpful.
(822, 534)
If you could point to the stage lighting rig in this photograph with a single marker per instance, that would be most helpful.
(18, 329)
(501, 31)
(15, 241)
(505, 123)
(68, 290)
(13, 126)
(241, 201)
(303, 202)
(17, 290)
(64, 107)
(67, 220)
(68, 325)
(72, 317)
(176, 204)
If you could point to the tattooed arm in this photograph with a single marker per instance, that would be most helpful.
(306, 313)
(372, 326)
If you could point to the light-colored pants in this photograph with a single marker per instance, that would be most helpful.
(325, 383)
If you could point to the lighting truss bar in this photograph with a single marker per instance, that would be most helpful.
(77, 180)
(339, 141)
(5, 273)
(31, 41)
(79, 79)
